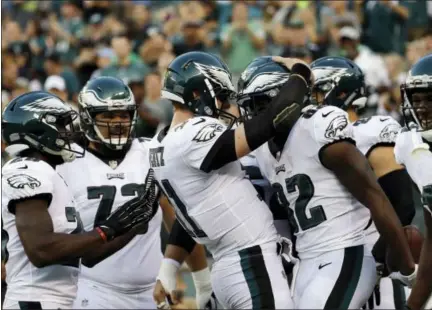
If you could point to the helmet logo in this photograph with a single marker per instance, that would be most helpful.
(47, 104)
(216, 75)
(266, 81)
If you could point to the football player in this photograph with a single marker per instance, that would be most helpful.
(324, 182)
(413, 150)
(195, 163)
(340, 82)
(44, 233)
(111, 173)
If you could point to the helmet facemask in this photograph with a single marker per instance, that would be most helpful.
(100, 126)
(214, 101)
(417, 105)
(329, 89)
(254, 104)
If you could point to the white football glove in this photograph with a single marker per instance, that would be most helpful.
(205, 299)
(287, 251)
(408, 280)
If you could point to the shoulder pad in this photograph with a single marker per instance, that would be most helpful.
(330, 124)
(374, 131)
(204, 129)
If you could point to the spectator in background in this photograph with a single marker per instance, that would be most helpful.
(85, 63)
(163, 62)
(373, 66)
(383, 20)
(104, 57)
(242, 40)
(126, 64)
(141, 17)
(22, 86)
(67, 29)
(53, 66)
(192, 38)
(154, 112)
(153, 46)
(56, 85)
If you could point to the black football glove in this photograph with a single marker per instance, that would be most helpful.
(133, 213)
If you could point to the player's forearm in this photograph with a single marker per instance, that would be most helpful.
(98, 254)
(422, 289)
(197, 260)
(55, 248)
(353, 171)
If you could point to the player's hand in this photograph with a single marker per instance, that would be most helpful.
(408, 142)
(288, 250)
(407, 280)
(290, 62)
(165, 292)
(135, 213)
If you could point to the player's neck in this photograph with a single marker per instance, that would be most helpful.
(352, 115)
(180, 116)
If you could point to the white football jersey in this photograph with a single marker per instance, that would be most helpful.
(220, 209)
(100, 189)
(369, 133)
(26, 178)
(325, 216)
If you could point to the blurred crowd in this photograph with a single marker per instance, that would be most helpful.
(59, 45)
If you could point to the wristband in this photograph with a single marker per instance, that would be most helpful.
(202, 278)
(101, 234)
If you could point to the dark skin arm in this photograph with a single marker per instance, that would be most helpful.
(353, 171)
(423, 287)
(42, 246)
(106, 250)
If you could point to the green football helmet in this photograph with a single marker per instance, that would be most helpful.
(41, 121)
(107, 95)
(259, 84)
(196, 80)
(417, 96)
(340, 82)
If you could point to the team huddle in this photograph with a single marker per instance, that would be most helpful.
(83, 200)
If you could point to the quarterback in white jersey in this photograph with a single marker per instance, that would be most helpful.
(45, 238)
(111, 173)
(324, 184)
(375, 137)
(413, 150)
(195, 163)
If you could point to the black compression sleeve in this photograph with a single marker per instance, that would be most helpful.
(181, 238)
(258, 130)
(221, 153)
(397, 185)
